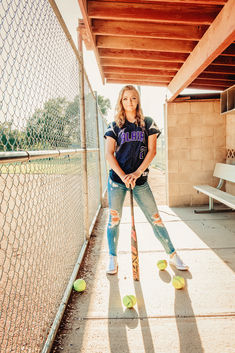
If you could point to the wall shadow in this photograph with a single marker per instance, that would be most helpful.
(223, 227)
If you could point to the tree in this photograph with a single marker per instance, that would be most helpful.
(55, 125)
(10, 139)
(104, 104)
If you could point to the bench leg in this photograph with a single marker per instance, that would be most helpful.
(211, 208)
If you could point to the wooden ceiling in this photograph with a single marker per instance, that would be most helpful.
(174, 43)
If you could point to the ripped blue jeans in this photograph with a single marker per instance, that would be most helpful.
(145, 200)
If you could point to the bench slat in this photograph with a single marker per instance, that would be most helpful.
(225, 171)
(217, 194)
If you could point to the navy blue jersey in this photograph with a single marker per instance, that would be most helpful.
(131, 146)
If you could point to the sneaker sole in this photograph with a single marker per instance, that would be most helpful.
(180, 268)
(113, 272)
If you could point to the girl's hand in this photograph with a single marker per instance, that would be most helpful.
(130, 179)
(127, 180)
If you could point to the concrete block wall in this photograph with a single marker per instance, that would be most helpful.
(196, 140)
(230, 146)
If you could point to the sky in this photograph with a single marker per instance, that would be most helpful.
(152, 98)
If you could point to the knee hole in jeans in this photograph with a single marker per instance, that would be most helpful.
(157, 220)
(114, 218)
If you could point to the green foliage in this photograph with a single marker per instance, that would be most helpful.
(104, 104)
(55, 125)
(10, 139)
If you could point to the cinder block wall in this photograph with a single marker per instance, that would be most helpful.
(196, 140)
(230, 145)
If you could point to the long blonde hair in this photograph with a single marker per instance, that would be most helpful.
(120, 116)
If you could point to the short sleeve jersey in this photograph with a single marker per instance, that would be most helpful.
(131, 146)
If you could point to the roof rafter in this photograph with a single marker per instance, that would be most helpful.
(147, 30)
(187, 13)
(126, 70)
(181, 46)
(195, 2)
(140, 64)
(142, 55)
(159, 79)
(217, 38)
(87, 32)
(135, 81)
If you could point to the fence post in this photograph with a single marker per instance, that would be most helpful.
(83, 138)
(98, 145)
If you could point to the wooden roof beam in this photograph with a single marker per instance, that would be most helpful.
(230, 51)
(170, 45)
(222, 83)
(137, 82)
(224, 60)
(216, 76)
(218, 37)
(141, 64)
(89, 36)
(186, 13)
(145, 78)
(147, 29)
(142, 55)
(208, 87)
(195, 2)
(220, 69)
(136, 71)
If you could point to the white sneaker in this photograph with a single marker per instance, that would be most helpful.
(113, 265)
(178, 263)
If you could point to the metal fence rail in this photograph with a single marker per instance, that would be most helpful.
(41, 170)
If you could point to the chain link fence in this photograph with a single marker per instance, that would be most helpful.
(41, 173)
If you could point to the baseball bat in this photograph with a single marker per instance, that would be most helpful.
(134, 244)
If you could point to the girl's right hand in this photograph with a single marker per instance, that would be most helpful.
(129, 180)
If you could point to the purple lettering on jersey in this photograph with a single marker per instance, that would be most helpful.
(133, 136)
(123, 138)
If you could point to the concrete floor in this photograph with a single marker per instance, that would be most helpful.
(199, 318)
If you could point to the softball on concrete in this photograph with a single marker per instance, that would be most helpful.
(178, 282)
(162, 264)
(129, 301)
(79, 285)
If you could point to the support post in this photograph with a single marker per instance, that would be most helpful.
(83, 139)
(98, 145)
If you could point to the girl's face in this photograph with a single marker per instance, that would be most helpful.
(129, 101)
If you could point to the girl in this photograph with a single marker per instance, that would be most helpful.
(130, 148)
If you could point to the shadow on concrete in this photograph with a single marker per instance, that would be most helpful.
(72, 330)
(216, 230)
(115, 301)
(145, 329)
(127, 319)
(184, 312)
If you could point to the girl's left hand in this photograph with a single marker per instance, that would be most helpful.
(130, 179)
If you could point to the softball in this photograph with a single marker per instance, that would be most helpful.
(79, 285)
(162, 264)
(178, 282)
(129, 301)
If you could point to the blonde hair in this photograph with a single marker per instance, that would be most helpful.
(120, 116)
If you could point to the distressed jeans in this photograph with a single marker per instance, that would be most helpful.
(145, 200)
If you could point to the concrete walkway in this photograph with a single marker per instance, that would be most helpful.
(199, 318)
